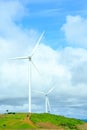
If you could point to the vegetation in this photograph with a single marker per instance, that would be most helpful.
(24, 121)
(56, 120)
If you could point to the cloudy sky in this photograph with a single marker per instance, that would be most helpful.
(61, 57)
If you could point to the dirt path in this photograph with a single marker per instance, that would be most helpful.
(48, 125)
(27, 119)
(41, 124)
(83, 127)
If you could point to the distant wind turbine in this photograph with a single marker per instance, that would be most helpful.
(29, 58)
(47, 103)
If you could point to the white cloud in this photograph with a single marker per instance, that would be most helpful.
(39, 1)
(46, 13)
(11, 108)
(75, 30)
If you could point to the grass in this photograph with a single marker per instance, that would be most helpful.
(20, 121)
(57, 120)
(14, 121)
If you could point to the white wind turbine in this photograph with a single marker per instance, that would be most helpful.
(29, 58)
(47, 103)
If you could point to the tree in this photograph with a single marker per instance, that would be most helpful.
(7, 111)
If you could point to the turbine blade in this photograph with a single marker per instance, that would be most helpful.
(50, 90)
(35, 67)
(38, 92)
(18, 58)
(37, 44)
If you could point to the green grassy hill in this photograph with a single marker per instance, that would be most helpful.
(39, 121)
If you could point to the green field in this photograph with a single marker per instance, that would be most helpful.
(38, 121)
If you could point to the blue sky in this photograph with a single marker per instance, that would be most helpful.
(61, 56)
(50, 16)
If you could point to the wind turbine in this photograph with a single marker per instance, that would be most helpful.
(47, 103)
(29, 58)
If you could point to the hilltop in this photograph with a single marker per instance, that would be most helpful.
(39, 121)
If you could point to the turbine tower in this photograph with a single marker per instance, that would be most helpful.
(29, 58)
(47, 103)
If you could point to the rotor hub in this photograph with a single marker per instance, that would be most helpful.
(29, 58)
